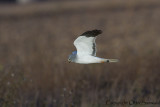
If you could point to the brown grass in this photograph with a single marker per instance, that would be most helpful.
(34, 71)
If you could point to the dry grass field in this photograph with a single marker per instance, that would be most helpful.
(36, 39)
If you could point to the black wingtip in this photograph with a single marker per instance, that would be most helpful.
(92, 33)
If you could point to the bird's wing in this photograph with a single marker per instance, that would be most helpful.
(85, 43)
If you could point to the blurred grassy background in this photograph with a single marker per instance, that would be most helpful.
(36, 39)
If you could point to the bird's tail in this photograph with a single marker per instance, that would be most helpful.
(112, 60)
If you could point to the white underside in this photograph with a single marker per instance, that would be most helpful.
(88, 59)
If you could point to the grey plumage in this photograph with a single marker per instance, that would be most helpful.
(86, 49)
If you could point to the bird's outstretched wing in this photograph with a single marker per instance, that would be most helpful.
(85, 43)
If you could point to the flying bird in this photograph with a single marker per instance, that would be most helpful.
(86, 49)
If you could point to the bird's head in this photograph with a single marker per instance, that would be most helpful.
(72, 56)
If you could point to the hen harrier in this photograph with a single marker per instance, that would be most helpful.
(86, 49)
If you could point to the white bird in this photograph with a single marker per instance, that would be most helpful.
(86, 49)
